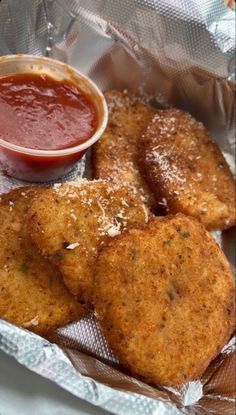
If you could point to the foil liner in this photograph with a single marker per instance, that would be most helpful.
(180, 53)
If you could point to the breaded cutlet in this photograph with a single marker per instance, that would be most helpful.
(32, 292)
(165, 299)
(70, 222)
(115, 155)
(186, 169)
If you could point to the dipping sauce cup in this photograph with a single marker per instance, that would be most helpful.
(41, 165)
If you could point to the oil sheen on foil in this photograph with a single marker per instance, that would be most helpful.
(179, 53)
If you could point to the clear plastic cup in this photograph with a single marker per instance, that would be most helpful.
(42, 165)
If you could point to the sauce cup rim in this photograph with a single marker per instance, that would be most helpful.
(69, 150)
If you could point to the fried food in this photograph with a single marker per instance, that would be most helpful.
(71, 221)
(164, 296)
(115, 155)
(32, 292)
(186, 170)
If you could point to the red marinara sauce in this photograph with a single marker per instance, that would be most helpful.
(39, 112)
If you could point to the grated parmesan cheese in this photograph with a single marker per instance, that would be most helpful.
(33, 322)
(73, 246)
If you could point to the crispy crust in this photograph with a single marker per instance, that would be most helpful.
(165, 299)
(32, 292)
(69, 223)
(186, 170)
(115, 155)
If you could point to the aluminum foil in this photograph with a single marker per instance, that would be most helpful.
(180, 53)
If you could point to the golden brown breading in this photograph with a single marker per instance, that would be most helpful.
(186, 170)
(32, 293)
(69, 223)
(164, 296)
(115, 155)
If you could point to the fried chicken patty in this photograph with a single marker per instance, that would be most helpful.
(115, 155)
(32, 292)
(186, 170)
(69, 223)
(164, 296)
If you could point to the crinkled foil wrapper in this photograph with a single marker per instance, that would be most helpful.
(181, 53)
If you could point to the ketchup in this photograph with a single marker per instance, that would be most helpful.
(39, 112)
